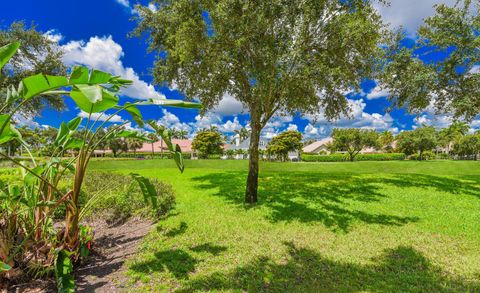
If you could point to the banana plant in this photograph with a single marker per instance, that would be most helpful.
(94, 92)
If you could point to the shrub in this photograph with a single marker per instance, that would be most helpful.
(122, 197)
(359, 157)
(426, 156)
(214, 157)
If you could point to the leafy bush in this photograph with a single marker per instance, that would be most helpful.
(443, 156)
(426, 156)
(122, 197)
(359, 157)
(214, 157)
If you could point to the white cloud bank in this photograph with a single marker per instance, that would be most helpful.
(103, 53)
(409, 13)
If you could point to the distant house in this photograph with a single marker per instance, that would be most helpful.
(322, 147)
(244, 146)
(161, 147)
(318, 147)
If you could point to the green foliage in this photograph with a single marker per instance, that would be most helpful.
(353, 140)
(41, 56)
(344, 220)
(426, 156)
(450, 84)
(468, 146)
(6, 52)
(359, 157)
(419, 140)
(275, 57)
(285, 142)
(118, 196)
(208, 142)
(27, 208)
(64, 272)
(385, 141)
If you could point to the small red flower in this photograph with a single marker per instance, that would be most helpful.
(88, 245)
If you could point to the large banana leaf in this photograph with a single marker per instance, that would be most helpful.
(6, 52)
(64, 272)
(148, 189)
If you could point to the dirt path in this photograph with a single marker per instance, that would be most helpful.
(113, 245)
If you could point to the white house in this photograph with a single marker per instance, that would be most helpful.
(262, 145)
(322, 147)
(318, 147)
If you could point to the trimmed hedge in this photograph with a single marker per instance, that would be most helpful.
(359, 157)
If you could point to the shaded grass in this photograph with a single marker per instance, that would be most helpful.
(366, 226)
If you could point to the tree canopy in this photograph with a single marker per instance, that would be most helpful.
(449, 85)
(208, 142)
(37, 54)
(418, 140)
(353, 140)
(274, 56)
(285, 142)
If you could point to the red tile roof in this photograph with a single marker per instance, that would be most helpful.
(185, 145)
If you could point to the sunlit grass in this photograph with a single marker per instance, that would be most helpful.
(366, 226)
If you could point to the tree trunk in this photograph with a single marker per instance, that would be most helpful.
(252, 179)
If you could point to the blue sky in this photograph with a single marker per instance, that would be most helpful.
(94, 33)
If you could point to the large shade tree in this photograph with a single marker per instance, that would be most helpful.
(450, 85)
(275, 57)
(37, 54)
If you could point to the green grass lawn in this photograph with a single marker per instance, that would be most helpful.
(364, 226)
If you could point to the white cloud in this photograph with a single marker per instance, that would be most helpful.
(152, 7)
(171, 121)
(319, 126)
(103, 53)
(230, 126)
(409, 13)
(207, 120)
(124, 3)
(229, 106)
(101, 117)
(22, 120)
(53, 35)
(377, 93)
(292, 127)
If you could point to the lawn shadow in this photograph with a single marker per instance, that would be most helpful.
(402, 269)
(179, 262)
(290, 196)
(182, 228)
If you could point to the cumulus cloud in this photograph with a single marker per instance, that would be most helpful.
(22, 120)
(292, 127)
(229, 106)
(124, 3)
(101, 117)
(171, 121)
(377, 92)
(105, 54)
(53, 35)
(319, 126)
(409, 13)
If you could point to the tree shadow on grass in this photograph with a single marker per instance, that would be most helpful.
(402, 269)
(307, 197)
(178, 261)
(328, 198)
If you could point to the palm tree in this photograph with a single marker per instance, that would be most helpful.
(134, 144)
(243, 133)
(179, 134)
(153, 138)
(452, 134)
(385, 140)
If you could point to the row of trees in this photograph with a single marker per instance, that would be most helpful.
(453, 140)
